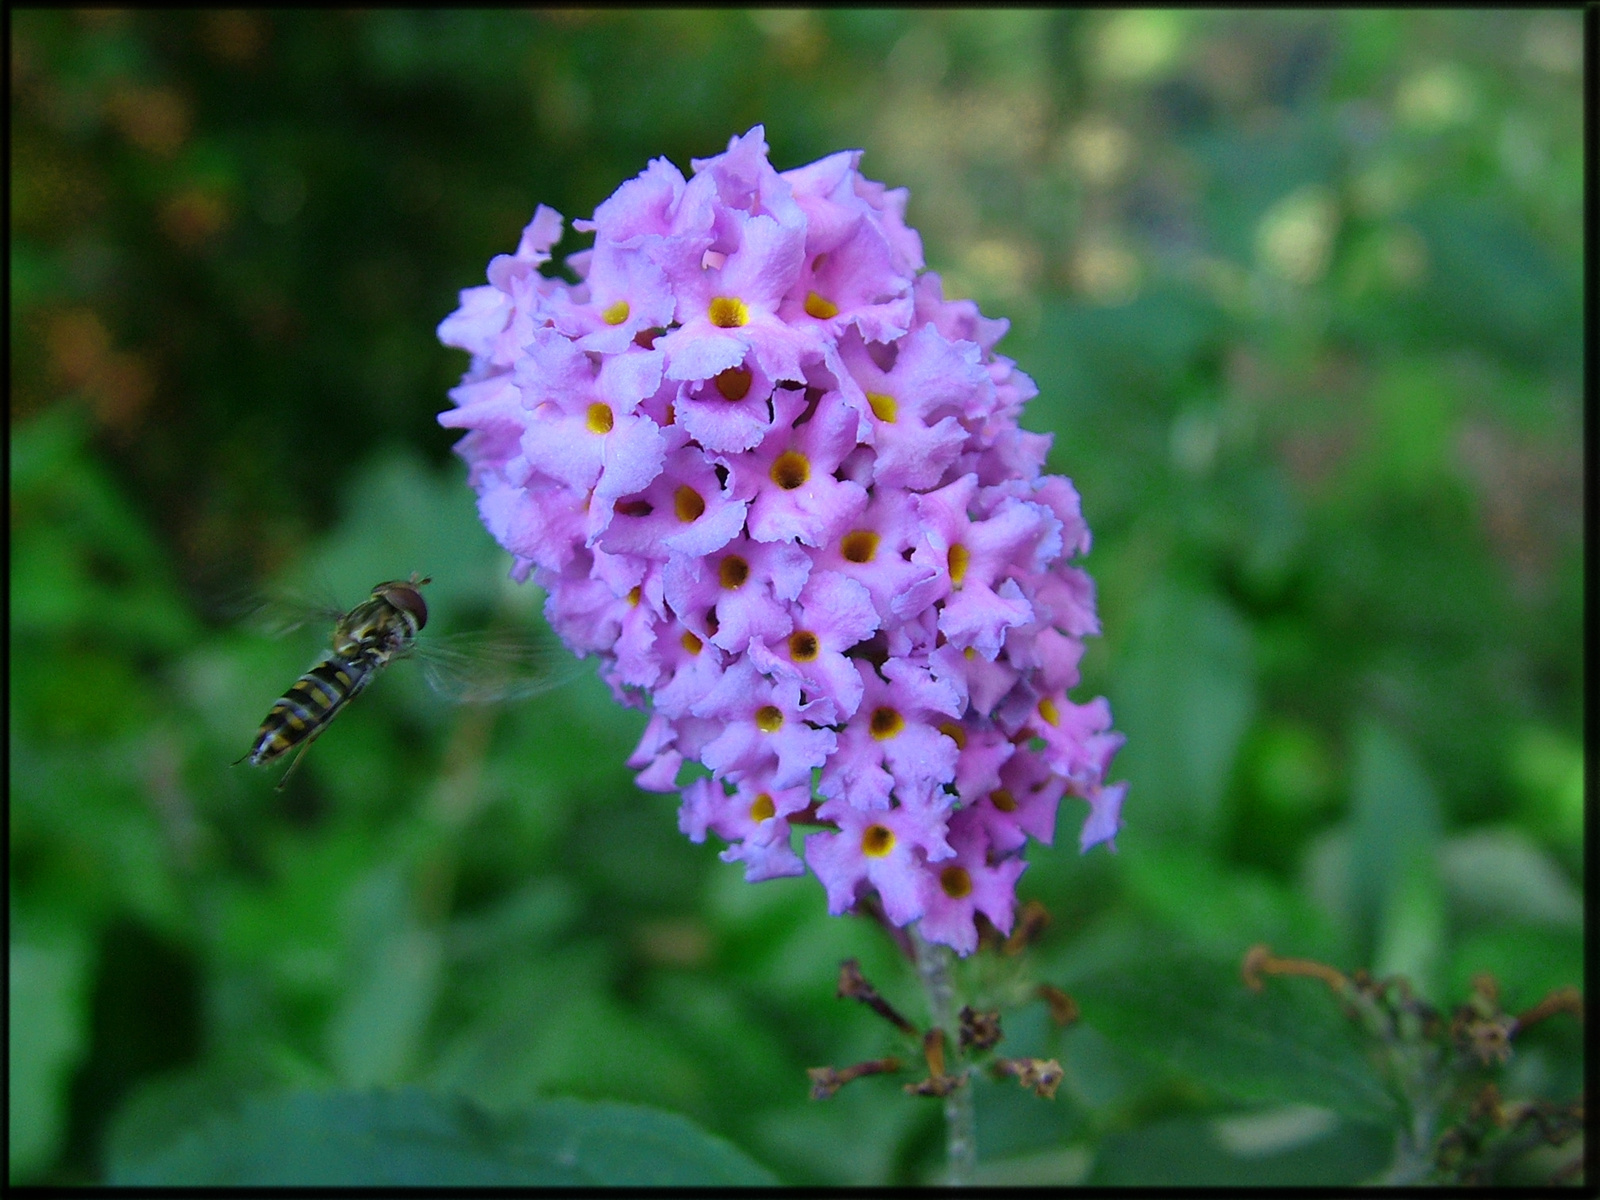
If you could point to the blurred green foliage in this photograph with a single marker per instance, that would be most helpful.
(1302, 294)
(399, 1137)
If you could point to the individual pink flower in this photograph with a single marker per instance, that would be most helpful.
(832, 616)
(874, 549)
(1022, 804)
(753, 816)
(888, 850)
(912, 411)
(686, 510)
(584, 431)
(766, 726)
(972, 562)
(745, 590)
(731, 411)
(893, 749)
(690, 668)
(790, 478)
(956, 888)
(774, 480)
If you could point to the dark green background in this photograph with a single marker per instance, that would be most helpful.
(1302, 294)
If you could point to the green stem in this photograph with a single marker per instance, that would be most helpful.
(934, 964)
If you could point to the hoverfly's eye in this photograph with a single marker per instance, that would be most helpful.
(406, 598)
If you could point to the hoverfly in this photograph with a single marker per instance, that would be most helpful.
(373, 634)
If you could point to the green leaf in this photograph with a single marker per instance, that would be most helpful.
(1500, 875)
(47, 1027)
(1062, 1167)
(1184, 695)
(412, 1138)
(1014, 1123)
(1394, 869)
(1411, 935)
(853, 1139)
(161, 1107)
(1223, 911)
(546, 1026)
(1287, 1044)
(1547, 766)
(374, 1035)
(1200, 1152)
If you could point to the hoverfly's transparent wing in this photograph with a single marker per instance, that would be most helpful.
(280, 612)
(487, 668)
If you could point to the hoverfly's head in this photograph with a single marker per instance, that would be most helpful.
(404, 595)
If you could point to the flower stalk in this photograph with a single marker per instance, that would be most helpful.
(934, 968)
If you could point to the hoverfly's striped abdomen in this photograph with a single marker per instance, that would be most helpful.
(307, 707)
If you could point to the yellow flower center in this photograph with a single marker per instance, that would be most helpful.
(790, 470)
(728, 312)
(877, 840)
(955, 732)
(803, 647)
(686, 502)
(885, 723)
(732, 572)
(859, 546)
(959, 557)
(955, 882)
(762, 808)
(600, 419)
(819, 308)
(1048, 710)
(883, 406)
(691, 643)
(616, 314)
(1002, 799)
(769, 718)
(633, 598)
(734, 383)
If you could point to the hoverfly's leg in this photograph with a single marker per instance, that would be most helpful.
(299, 754)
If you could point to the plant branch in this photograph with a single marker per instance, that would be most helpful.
(934, 964)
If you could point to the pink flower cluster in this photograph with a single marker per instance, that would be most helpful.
(776, 482)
